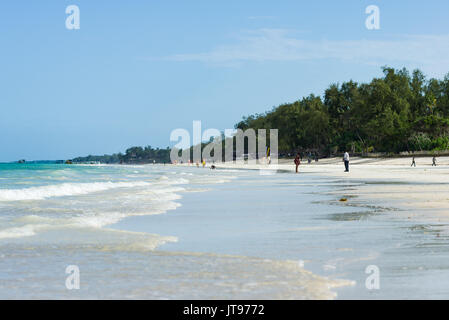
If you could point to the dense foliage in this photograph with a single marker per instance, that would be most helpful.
(397, 112)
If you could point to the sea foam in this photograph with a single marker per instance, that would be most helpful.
(64, 189)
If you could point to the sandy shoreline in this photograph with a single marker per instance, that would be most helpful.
(395, 217)
(421, 191)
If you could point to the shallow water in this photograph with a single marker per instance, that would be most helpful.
(168, 232)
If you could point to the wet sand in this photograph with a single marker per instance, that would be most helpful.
(391, 179)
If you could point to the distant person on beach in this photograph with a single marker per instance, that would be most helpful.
(413, 162)
(297, 162)
(434, 161)
(346, 161)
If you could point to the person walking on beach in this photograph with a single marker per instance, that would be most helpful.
(346, 161)
(434, 161)
(413, 162)
(297, 162)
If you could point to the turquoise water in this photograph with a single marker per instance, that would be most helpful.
(36, 197)
(173, 232)
(53, 216)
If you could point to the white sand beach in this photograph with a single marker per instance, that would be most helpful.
(394, 217)
(423, 187)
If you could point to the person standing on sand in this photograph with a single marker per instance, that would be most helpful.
(297, 162)
(346, 161)
(434, 161)
(413, 162)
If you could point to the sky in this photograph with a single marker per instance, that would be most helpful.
(136, 70)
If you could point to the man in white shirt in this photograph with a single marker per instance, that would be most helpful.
(346, 161)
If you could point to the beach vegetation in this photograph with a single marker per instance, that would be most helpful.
(400, 111)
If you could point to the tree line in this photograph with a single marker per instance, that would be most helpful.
(400, 111)
(396, 112)
(132, 155)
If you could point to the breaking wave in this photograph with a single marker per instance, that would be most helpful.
(64, 189)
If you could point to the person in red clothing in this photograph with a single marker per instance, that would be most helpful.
(297, 162)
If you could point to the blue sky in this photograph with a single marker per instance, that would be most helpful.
(136, 70)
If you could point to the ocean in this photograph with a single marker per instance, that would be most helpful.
(179, 232)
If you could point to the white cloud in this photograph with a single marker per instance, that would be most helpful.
(429, 52)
